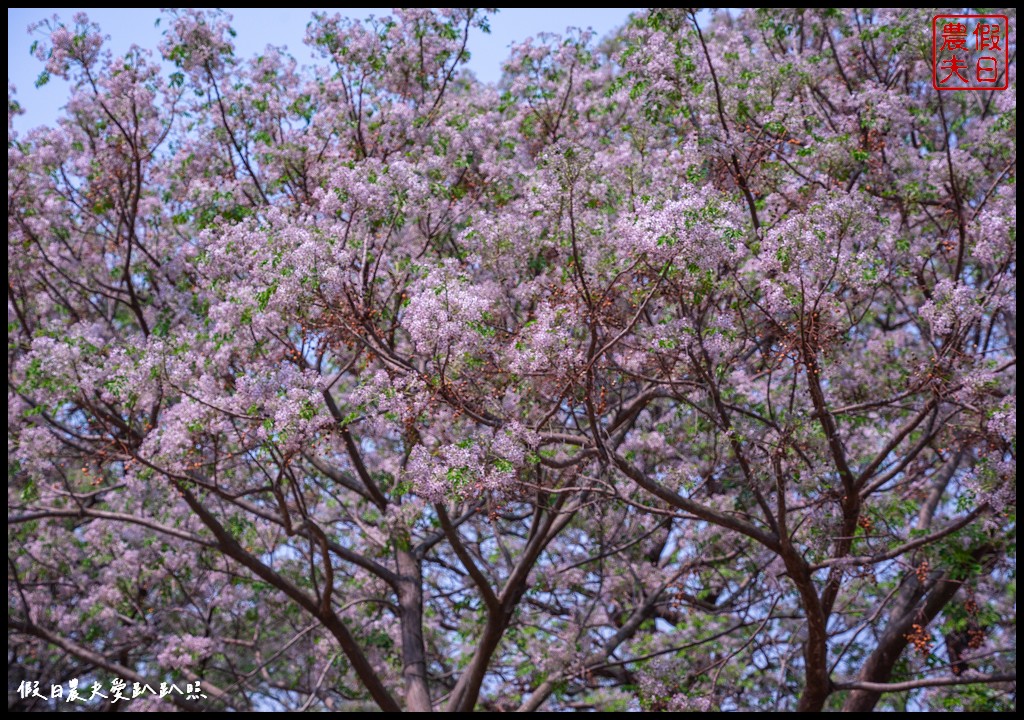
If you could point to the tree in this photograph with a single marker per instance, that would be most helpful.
(675, 372)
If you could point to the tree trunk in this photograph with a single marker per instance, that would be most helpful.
(410, 603)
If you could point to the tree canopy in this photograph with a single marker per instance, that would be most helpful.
(675, 371)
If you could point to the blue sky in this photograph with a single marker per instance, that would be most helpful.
(258, 28)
